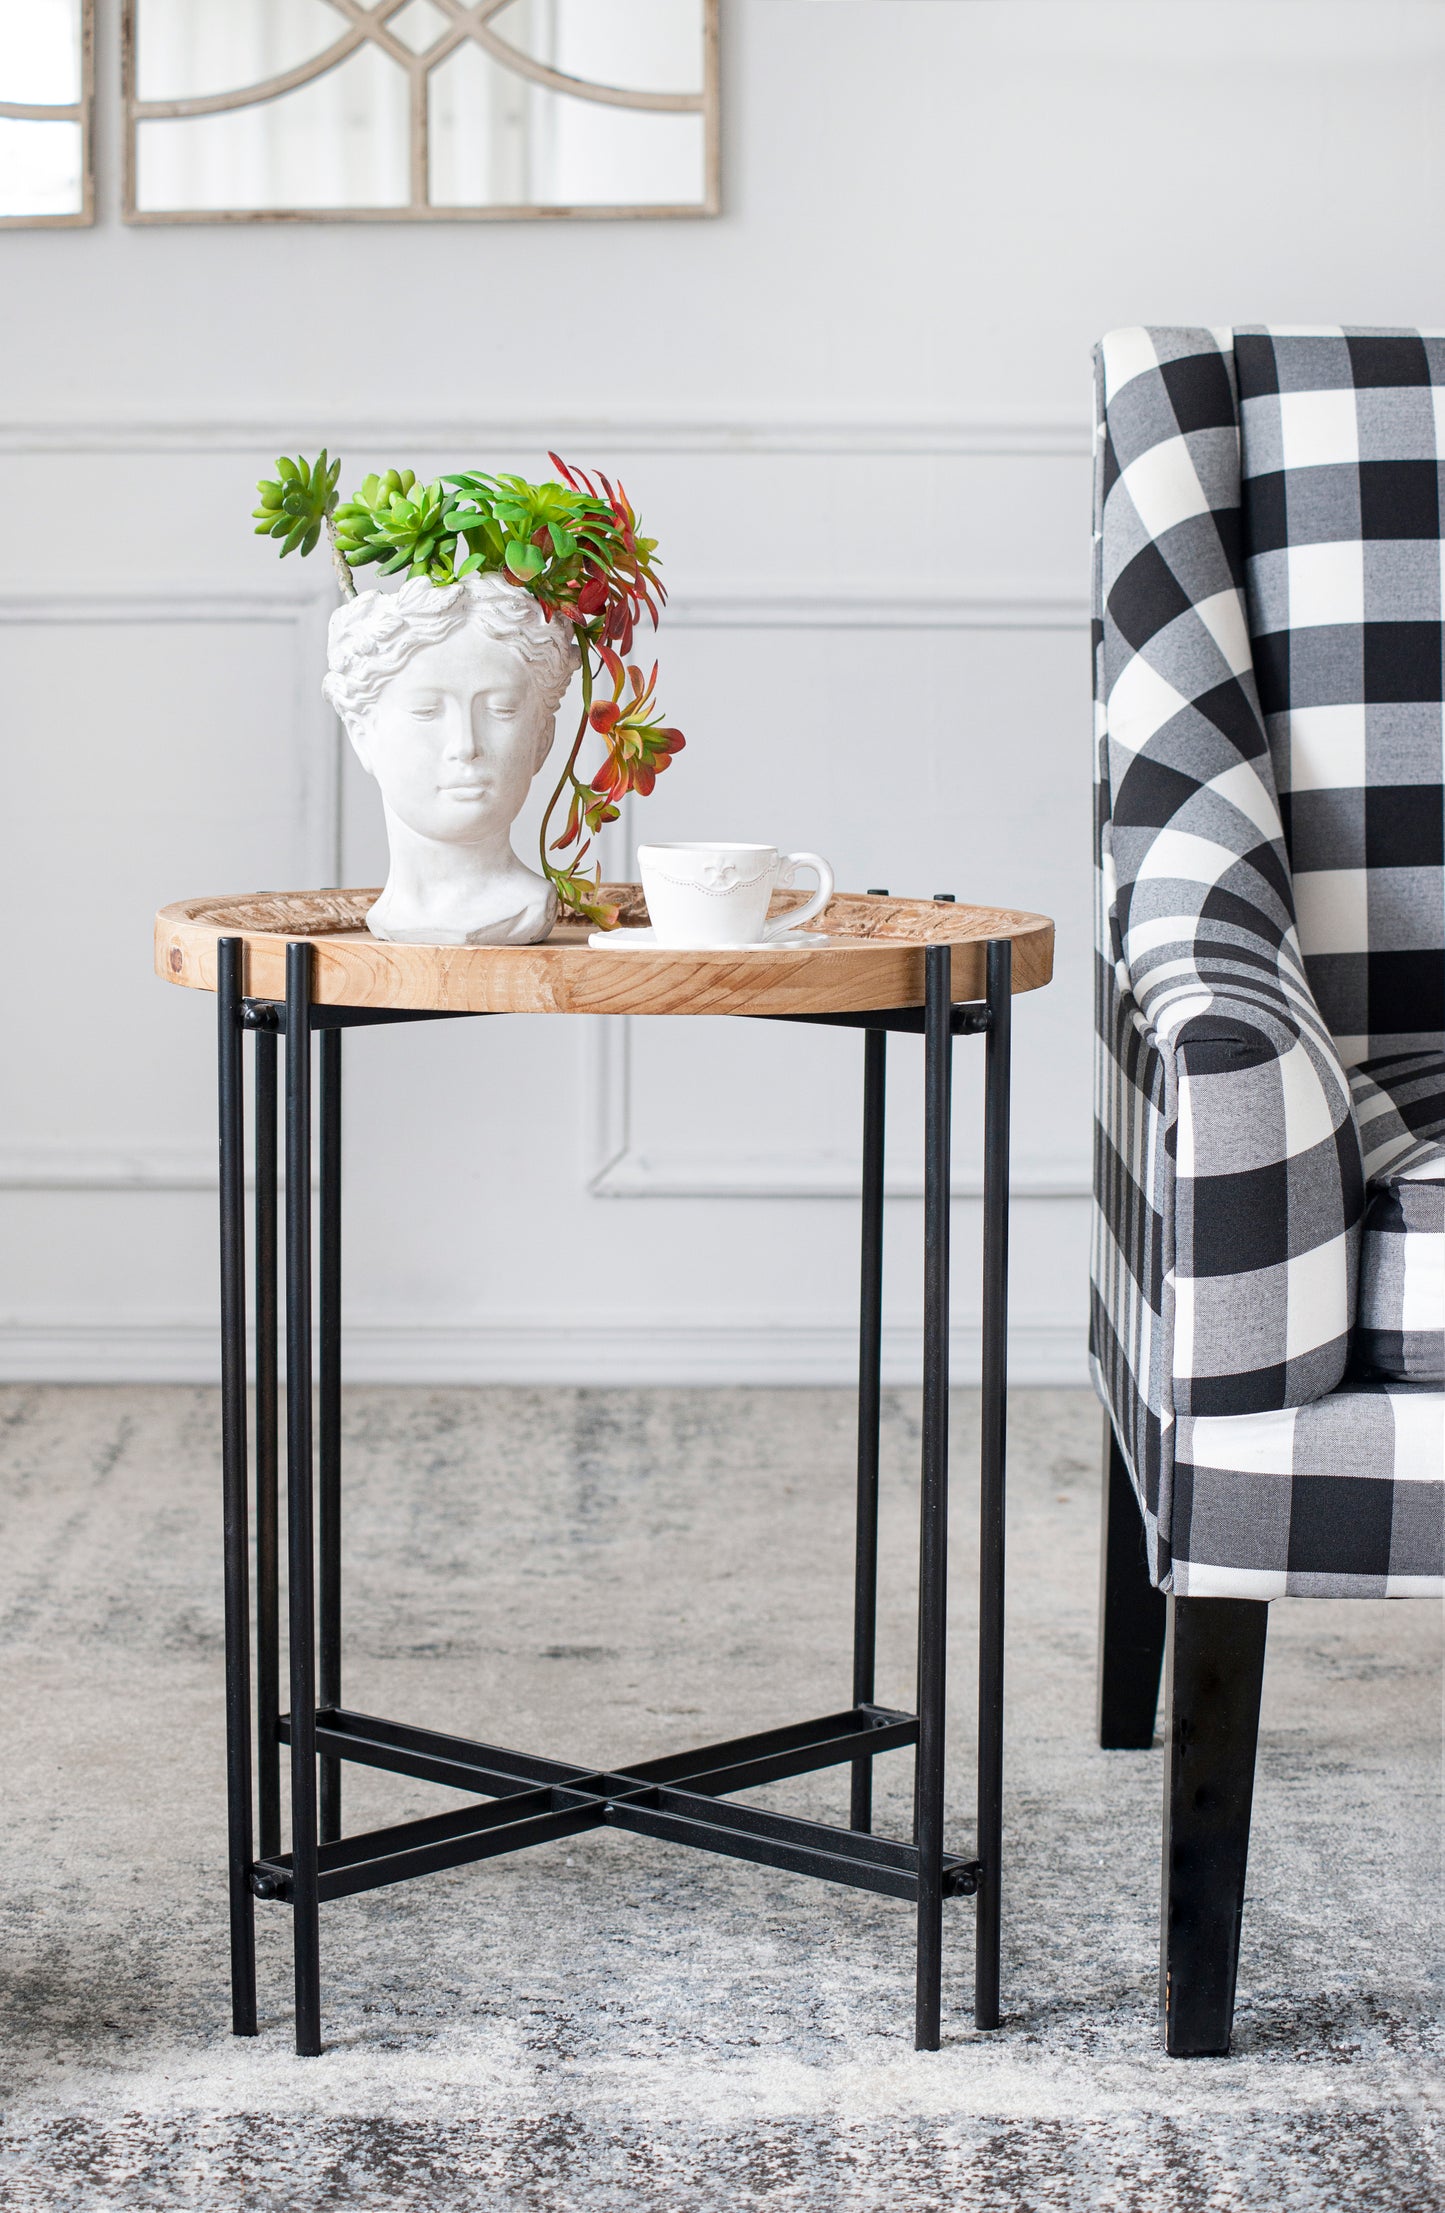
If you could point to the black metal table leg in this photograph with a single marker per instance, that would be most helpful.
(268, 1608)
(991, 1483)
(233, 1485)
(302, 1602)
(328, 1442)
(870, 1360)
(933, 1534)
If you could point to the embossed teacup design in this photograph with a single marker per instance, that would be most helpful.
(701, 895)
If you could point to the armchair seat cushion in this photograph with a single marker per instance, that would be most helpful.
(1341, 1499)
(1400, 1321)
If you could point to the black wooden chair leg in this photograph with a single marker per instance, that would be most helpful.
(1131, 1616)
(1213, 1674)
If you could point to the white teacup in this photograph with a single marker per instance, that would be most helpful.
(699, 895)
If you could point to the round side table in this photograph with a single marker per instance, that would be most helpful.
(298, 964)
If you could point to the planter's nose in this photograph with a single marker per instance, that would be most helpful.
(462, 743)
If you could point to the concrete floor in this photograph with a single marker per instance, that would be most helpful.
(614, 2023)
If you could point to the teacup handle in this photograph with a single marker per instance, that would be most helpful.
(794, 921)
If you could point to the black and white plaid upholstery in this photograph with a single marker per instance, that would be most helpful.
(1268, 774)
(1400, 1318)
(1341, 449)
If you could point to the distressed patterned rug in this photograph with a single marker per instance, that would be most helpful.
(611, 2022)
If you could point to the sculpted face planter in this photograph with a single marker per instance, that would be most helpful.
(449, 686)
(449, 695)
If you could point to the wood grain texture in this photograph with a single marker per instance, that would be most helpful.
(871, 955)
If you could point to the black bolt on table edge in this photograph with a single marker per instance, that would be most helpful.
(532, 1800)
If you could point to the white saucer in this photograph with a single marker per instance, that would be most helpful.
(646, 940)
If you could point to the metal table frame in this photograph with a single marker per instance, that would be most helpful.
(524, 1799)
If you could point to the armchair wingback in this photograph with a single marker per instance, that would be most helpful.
(1271, 944)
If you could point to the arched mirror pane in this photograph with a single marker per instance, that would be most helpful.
(420, 109)
(45, 107)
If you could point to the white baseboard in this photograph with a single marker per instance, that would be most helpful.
(781, 1350)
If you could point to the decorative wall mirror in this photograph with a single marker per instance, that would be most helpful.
(419, 110)
(46, 94)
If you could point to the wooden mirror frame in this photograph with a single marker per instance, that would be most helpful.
(470, 20)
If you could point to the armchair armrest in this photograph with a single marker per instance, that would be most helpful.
(1263, 1196)
(1225, 1280)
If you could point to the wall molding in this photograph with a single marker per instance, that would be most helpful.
(170, 601)
(306, 613)
(849, 604)
(863, 605)
(616, 1167)
(119, 1164)
(1039, 437)
(780, 1349)
(159, 601)
(657, 1174)
(615, 1170)
(39, 1165)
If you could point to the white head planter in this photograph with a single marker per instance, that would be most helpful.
(449, 694)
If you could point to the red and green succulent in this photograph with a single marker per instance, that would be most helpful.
(574, 543)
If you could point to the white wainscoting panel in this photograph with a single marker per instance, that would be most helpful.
(136, 764)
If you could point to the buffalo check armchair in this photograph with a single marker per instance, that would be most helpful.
(1268, 1297)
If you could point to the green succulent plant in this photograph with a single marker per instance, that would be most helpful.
(297, 505)
(401, 524)
(574, 544)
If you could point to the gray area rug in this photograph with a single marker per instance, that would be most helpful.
(614, 2023)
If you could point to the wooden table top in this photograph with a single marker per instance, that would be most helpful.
(869, 955)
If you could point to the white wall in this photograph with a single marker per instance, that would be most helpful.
(855, 411)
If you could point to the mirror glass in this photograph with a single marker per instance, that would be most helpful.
(45, 50)
(421, 108)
